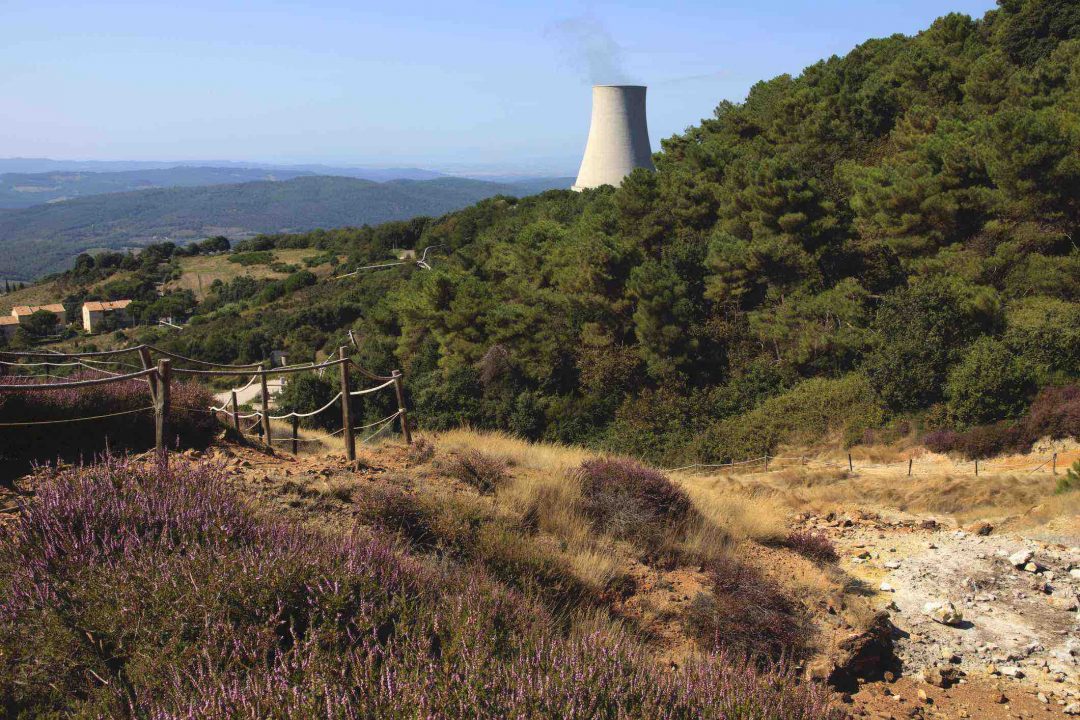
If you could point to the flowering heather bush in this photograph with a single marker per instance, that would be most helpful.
(127, 591)
(747, 613)
(131, 431)
(631, 501)
(812, 545)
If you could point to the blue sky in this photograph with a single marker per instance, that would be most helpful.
(465, 86)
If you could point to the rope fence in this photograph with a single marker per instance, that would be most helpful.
(158, 380)
(979, 466)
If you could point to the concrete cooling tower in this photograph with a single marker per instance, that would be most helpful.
(618, 136)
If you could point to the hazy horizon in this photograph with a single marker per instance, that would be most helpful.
(477, 88)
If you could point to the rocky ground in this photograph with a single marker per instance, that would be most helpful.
(985, 622)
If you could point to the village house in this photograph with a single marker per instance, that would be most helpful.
(22, 312)
(8, 325)
(94, 313)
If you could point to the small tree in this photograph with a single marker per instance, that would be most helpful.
(41, 323)
(989, 384)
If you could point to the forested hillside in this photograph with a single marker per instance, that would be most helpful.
(890, 237)
(46, 238)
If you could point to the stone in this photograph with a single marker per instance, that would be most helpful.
(1075, 573)
(981, 529)
(1031, 567)
(1012, 671)
(943, 612)
(1066, 603)
(892, 564)
(940, 676)
(1072, 709)
(1021, 558)
(886, 587)
(1042, 698)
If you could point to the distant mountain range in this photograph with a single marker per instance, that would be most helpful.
(45, 238)
(24, 183)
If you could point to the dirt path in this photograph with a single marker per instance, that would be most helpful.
(1017, 649)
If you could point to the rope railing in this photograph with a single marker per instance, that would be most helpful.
(158, 380)
(980, 466)
(29, 387)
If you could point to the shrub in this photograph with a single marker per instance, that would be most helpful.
(1071, 480)
(1055, 413)
(805, 414)
(631, 501)
(747, 614)
(421, 451)
(989, 440)
(941, 440)
(190, 422)
(483, 472)
(990, 384)
(812, 545)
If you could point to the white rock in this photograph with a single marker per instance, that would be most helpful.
(886, 587)
(1075, 573)
(1072, 709)
(943, 612)
(895, 565)
(1021, 558)
(1011, 671)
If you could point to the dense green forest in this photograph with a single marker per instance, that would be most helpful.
(46, 238)
(886, 241)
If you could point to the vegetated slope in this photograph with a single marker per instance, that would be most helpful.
(160, 591)
(20, 190)
(46, 238)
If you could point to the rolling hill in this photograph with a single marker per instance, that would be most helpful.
(46, 238)
(21, 190)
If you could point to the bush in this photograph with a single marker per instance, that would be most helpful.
(989, 440)
(1071, 480)
(941, 440)
(483, 472)
(748, 614)
(190, 422)
(990, 384)
(812, 545)
(807, 413)
(421, 451)
(1055, 413)
(631, 501)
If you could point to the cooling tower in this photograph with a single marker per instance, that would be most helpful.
(618, 136)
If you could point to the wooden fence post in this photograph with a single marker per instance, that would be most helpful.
(976, 468)
(909, 460)
(346, 406)
(236, 415)
(1055, 463)
(147, 363)
(850, 467)
(267, 437)
(161, 405)
(400, 392)
(295, 434)
(766, 462)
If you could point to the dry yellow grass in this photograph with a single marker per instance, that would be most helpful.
(520, 453)
(960, 495)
